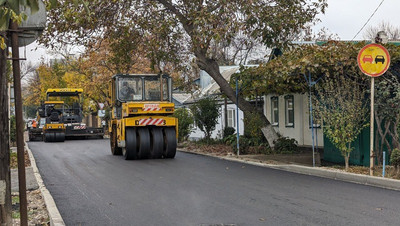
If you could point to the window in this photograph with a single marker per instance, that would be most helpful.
(231, 118)
(289, 111)
(152, 88)
(274, 111)
(129, 89)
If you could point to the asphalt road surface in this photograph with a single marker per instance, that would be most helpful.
(92, 187)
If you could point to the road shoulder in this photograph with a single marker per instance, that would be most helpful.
(314, 171)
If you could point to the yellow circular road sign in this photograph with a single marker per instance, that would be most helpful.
(373, 60)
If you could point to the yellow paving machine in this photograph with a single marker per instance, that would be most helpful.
(63, 113)
(142, 125)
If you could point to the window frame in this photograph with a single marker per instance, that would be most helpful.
(274, 121)
(287, 114)
(233, 118)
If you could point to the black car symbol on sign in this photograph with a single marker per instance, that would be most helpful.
(380, 58)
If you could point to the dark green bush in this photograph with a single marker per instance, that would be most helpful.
(13, 129)
(285, 145)
(395, 157)
(209, 141)
(252, 128)
(228, 131)
(247, 145)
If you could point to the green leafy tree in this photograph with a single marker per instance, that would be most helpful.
(185, 122)
(205, 113)
(343, 108)
(182, 32)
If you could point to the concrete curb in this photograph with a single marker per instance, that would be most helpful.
(315, 171)
(54, 214)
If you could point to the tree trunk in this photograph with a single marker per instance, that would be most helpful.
(5, 210)
(212, 68)
(346, 161)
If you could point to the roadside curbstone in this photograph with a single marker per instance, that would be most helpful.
(315, 171)
(54, 214)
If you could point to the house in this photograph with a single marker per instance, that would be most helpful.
(289, 114)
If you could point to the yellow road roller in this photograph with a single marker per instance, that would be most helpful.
(141, 124)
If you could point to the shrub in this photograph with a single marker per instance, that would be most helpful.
(285, 145)
(185, 121)
(247, 145)
(209, 141)
(228, 131)
(395, 157)
(252, 128)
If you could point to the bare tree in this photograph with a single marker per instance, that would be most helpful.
(392, 31)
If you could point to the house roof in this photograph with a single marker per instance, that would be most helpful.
(213, 88)
(181, 97)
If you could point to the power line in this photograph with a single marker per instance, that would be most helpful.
(368, 20)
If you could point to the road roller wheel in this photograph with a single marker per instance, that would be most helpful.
(59, 137)
(115, 150)
(169, 142)
(143, 140)
(49, 137)
(156, 143)
(130, 151)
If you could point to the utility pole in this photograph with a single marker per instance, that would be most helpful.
(19, 123)
(5, 176)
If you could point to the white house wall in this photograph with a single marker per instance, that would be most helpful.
(219, 128)
(301, 130)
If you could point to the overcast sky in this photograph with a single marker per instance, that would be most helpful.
(342, 17)
(346, 17)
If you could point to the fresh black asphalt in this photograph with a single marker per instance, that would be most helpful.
(92, 187)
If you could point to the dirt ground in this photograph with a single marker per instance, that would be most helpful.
(37, 212)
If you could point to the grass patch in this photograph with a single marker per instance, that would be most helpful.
(13, 160)
(14, 200)
(16, 215)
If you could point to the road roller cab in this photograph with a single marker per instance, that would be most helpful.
(53, 129)
(142, 125)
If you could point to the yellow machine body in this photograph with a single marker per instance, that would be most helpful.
(143, 118)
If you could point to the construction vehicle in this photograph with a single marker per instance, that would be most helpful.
(54, 128)
(63, 106)
(35, 132)
(142, 125)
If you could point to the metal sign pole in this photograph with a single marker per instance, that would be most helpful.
(19, 124)
(237, 117)
(371, 163)
(312, 121)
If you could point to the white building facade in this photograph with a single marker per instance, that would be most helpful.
(289, 115)
(219, 128)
